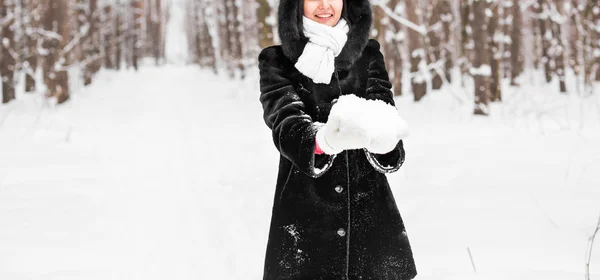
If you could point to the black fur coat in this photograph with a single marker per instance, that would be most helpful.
(334, 217)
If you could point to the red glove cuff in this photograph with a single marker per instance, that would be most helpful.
(318, 150)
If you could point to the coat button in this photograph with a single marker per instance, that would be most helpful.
(339, 189)
(341, 232)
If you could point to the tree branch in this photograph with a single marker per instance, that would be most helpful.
(6, 21)
(589, 251)
(382, 4)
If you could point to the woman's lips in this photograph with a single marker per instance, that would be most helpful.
(324, 17)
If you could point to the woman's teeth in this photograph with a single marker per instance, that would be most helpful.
(324, 16)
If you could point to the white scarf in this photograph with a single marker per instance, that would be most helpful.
(325, 43)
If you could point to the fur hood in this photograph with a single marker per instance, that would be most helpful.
(356, 12)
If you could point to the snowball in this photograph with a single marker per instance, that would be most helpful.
(379, 119)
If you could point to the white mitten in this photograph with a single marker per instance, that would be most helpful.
(343, 130)
(384, 141)
(386, 128)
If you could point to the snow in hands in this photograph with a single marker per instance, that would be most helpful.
(381, 122)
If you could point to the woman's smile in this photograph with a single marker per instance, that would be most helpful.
(326, 12)
(324, 18)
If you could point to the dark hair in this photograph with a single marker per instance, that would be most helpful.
(301, 13)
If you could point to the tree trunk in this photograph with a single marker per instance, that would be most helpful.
(135, 37)
(439, 42)
(31, 20)
(416, 51)
(147, 29)
(56, 78)
(481, 64)
(8, 60)
(466, 36)
(447, 18)
(225, 34)
(91, 46)
(544, 23)
(157, 31)
(435, 44)
(109, 40)
(594, 34)
(265, 26)
(558, 47)
(536, 36)
(495, 52)
(204, 40)
(575, 40)
(395, 53)
(237, 33)
(516, 56)
(197, 31)
(118, 38)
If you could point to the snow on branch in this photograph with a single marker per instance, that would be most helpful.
(526, 4)
(483, 70)
(548, 13)
(6, 21)
(83, 33)
(589, 251)
(382, 4)
(47, 33)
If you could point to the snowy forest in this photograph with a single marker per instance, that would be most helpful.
(133, 143)
(424, 42)
(53, 35)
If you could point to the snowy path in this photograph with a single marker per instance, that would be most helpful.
(169, 173)
(134, 179)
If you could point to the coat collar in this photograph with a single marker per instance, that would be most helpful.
(358, 14)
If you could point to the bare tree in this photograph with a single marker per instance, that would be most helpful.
(250, 40)
(203, 46)
(466, 14)
(237, 31)
(384, 29)
(481, 65)
(156, 27)
(91, 46)
(534, 28)
(589, 249)
(542, 8)
(30, 21)
(55, 24)
(119, 38)
(557, 46)
(439, 36)
(575, 39)
(416, 51)
(8, 54)
(591, 24)
(265, 24)
(136, 24)
(550, 18)
(394, 43)
(516, 39)
(377, 27)
(108, 37)
(434, 42)
(448, 20)
(495, 48)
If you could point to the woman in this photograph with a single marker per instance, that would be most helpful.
(334, 216)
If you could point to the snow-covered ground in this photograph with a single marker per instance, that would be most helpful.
(169, 173)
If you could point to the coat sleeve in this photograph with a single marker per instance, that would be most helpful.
(379, 88)
(284, 113)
